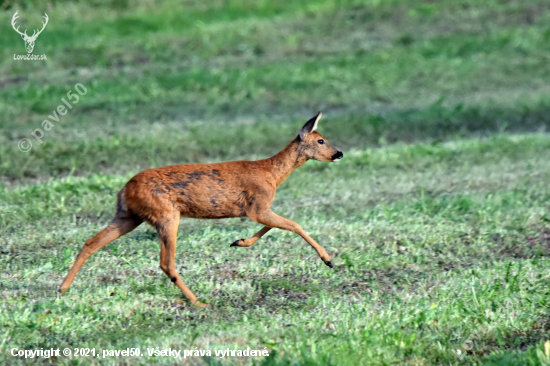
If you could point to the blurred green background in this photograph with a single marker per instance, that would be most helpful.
(437, 218)
(184, 81)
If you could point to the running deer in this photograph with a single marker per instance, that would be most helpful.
(161, 196)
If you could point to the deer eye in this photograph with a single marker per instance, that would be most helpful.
(321, 141)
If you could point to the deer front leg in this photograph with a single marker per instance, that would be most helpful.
(248, 242)
(270, 219)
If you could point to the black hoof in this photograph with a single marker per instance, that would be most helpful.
(236, 243)
(329, 264)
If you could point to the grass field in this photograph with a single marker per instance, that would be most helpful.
(437, 218)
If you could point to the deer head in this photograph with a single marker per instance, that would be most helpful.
(29, 41)
(314, 146)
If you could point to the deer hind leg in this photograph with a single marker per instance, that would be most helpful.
(268, 218)
(119, 226)
(248, 242)
(168, 232)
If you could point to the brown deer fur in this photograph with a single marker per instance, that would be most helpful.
(209, 191)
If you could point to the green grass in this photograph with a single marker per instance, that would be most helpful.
(437, 218)
(437, 248)
(162, 76)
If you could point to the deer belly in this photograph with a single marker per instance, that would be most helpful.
(208, 207)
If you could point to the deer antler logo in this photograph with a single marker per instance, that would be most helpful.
(29, 41)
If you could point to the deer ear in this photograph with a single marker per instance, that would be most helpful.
(310, 126)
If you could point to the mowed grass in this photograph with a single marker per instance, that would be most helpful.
(440, 252)
(437, 218)
(185, 82)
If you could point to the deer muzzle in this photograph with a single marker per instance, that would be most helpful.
(336, 157)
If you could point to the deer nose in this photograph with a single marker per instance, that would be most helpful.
(339, 155)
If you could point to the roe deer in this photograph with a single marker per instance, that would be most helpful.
(161, 196)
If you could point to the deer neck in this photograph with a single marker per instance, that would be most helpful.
(288, 159)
